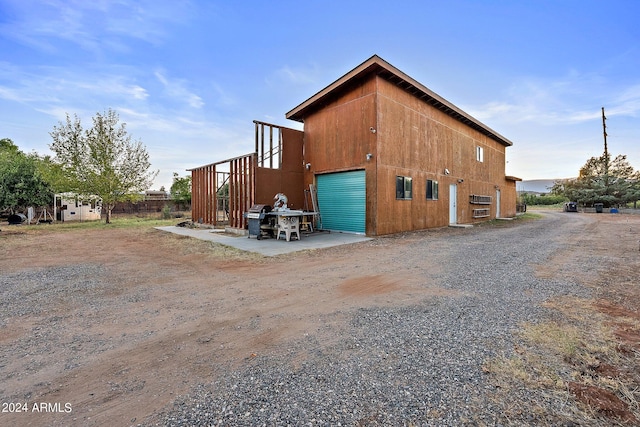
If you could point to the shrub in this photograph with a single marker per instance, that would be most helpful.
(546, 199)
(166, 212)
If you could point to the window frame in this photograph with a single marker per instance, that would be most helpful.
(404, 186)
(479, 154)
(432, 189)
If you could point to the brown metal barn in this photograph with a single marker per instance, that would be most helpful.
(384, 153)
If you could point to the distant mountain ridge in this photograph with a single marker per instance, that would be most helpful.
(536, 185)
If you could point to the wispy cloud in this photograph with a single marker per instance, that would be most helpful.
(297, 76)
(92, 25)
(222, 96)
(176, 89)
(47, 88)
(554, 102)
(627, 103)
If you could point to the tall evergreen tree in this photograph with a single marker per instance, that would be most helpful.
(602, 180)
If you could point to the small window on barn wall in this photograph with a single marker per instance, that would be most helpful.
(480, 154)
(432, 189)
(403, 188)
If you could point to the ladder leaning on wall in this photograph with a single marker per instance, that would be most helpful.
(314, 200)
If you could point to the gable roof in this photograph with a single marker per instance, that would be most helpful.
(378, 66)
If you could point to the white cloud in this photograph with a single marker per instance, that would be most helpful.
(138, 92)
(170, 126)
(627, 103)
(176, 89)
(45, 88)
(556, 124)
(222, 96)
(565, 101)
(11, 94)
(297, 76)
(93, 25)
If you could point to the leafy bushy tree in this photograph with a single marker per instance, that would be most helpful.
(22, 182)
(102, 160)
(7, 146)
(602, 180)
(181, 190)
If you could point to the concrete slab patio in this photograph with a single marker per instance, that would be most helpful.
(269, 247)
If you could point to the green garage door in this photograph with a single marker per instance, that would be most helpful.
(342, 201)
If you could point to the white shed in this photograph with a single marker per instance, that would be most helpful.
(73, 207)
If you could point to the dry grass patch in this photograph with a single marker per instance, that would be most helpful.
(583, 362)
(575, 360)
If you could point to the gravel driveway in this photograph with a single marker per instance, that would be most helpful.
(419, 364)
(144, 328)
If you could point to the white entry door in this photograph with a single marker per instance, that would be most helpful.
(497, 203)
(453, 204)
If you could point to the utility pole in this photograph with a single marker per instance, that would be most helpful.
(606, 151)
(604, 132)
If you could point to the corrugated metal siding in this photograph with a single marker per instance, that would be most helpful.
(342, 201)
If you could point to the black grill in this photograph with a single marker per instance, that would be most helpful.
(259, 224)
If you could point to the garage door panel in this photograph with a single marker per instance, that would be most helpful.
(342, 201)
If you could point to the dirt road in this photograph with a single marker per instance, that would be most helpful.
(108, 327)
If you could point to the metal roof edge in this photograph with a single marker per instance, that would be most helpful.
(407, 83)
(331, 87)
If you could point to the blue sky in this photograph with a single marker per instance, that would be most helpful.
(188, 77)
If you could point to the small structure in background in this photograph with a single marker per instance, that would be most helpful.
(73, 207)
(156, 195)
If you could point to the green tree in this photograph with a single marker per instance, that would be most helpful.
(543, 199)
(22, 182)
(7, 145)
(53, 174)
(223, 191)
(602, 180)
(181, 190)
(102, 160)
